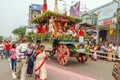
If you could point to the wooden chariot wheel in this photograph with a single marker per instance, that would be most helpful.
(82, 58)
(62, 54)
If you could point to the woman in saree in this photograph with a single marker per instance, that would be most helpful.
(40, 67)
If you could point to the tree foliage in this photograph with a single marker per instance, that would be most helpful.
(29, 36)
(43, 18)
(19, 31)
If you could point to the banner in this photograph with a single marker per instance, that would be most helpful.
(107, 22)
(44, 8)
(75, 10)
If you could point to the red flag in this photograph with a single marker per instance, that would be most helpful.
(44, 8)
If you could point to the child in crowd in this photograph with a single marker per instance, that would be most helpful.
(95, 52)
(13, 57)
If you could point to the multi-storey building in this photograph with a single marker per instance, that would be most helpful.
(34, 11)
(105, 20)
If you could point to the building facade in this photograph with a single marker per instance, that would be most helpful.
(34, 11)
(104, 17)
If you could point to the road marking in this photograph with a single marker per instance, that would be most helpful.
(9, 59)
(13, 75)
(10, 65)
(69, 74)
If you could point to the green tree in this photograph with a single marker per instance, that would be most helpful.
(20, 31)
(29, 36)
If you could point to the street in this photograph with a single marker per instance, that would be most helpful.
(91, 70)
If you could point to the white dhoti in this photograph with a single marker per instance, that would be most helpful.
(21, 69)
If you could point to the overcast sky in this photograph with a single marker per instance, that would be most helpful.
(14, 13)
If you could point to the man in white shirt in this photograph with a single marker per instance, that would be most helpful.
(94, 37)
(21, 64)
(115, 49)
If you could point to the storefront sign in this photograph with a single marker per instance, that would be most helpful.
(107, 22)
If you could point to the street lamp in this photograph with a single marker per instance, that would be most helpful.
(64, 5)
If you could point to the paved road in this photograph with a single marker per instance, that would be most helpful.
(91, 70)
(5, 72)
(99, 70)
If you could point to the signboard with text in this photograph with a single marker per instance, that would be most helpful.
(107, 22)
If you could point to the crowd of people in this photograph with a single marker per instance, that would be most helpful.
(5, 49)
(104, 50)
(26, 59)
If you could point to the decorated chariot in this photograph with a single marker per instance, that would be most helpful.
(62, 34)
